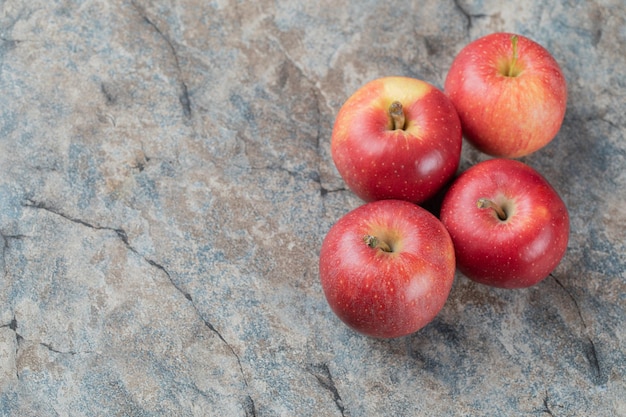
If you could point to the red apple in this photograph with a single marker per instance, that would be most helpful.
(396, 138)
(510, 94)
(509, 226)
(387, 268)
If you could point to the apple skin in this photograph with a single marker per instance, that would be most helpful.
(412, 163)
(514, 253)
(501, 115)
(387, 294)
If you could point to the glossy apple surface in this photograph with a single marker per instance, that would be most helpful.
(509, 226)
(387, 267)
(510, 94)
(396, 138)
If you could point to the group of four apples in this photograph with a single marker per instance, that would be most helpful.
(387, 267)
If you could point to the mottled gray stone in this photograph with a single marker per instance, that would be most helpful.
(166, 183)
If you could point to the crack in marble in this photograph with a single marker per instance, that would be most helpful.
(318, 93)
(184, 97)
(602, 118)
(18, 339)
(11, 325)
(591, 353)
(322, 373)
(40, 205)
(469, 16)
(207, 323)
(5, 246)
(109, 95)
(9, 43)
(297, 175)
(546, 407)
(324, 191)
(121, 234)
(249, 407)
(169, 277)
(62, 352)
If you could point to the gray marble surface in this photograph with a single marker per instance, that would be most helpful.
(166, 182)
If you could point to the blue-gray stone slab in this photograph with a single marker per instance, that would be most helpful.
(166, 183)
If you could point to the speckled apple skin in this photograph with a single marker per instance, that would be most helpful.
(387, 294)
(507, 116)
(519, 251)
(411, 164)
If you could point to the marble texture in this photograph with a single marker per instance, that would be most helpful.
(166, 182)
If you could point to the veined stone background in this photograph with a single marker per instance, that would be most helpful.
(166, 183)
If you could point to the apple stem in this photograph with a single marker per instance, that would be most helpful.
(486, 203)
(373, 242)
(397, 115)
(512, 69)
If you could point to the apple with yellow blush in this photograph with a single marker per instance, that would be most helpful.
(510, 94)
(397, 138)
